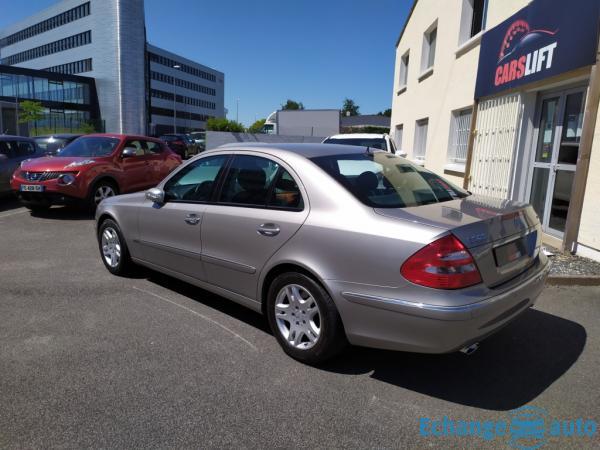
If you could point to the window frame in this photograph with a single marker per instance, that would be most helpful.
(451, 161)
(465, 33)
(216, 198)
(426, 67)
(218, 180)
(420, 158)
(403, 71)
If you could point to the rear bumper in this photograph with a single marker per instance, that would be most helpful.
(395, 324)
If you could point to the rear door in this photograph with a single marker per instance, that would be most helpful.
(170, 233)
(260, 206)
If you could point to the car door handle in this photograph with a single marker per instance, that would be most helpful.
(192, 219)
(268, 229)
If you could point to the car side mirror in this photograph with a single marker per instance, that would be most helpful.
(156, 195)
(129, 152)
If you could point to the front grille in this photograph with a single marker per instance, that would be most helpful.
(40, 176)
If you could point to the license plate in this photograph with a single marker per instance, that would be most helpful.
(513, 251)
(32, 188)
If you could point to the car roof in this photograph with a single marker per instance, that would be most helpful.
(122, 136)
(306, 150)
(60, 136)
(9, 137)
(357, 136)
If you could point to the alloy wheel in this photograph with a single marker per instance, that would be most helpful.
(103, 192)
(111, 247)
(298, 316)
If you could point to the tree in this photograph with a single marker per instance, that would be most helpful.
(30, 112)
(292, 104)
(386, 113)
(222, 124)
(256, 127)
(350, 108)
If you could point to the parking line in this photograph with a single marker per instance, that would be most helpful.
(208, 319)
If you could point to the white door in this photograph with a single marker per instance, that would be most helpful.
(554, 157)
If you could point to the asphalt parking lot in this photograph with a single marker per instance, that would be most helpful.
(91, 360)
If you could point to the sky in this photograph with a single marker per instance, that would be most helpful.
(317, 52)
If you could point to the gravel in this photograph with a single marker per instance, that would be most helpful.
(567, 264)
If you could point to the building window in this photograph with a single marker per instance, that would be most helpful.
(460, 127)
(420, 146)
(404, 70)
(82, 66)
(429, 42)
(398, 137)
(473, 19)
(53, 47)
(47, 25)
(164, 61)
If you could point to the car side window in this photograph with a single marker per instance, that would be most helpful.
(6, 149)
(24, 148)
(138, 145)
(286, 193)
(153, 148)
(197, 181)
(248, 180)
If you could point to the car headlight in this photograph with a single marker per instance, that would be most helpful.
(80, 163)
(66, 179)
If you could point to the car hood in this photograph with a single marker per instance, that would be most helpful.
(54, 163)
(475, 220)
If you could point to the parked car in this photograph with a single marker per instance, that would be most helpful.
(13, 151)
(199, 137)
(372, 140)
(181, 144)
(92, 168)
(395, 258)
(52, 144)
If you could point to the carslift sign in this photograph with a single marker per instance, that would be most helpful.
(546, 38)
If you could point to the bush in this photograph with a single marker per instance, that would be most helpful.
(222, 124)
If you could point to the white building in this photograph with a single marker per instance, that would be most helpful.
(106, 40)
(502, 96)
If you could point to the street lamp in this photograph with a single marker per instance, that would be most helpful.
(176, 67)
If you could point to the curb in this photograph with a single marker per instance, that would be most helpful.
(573, 280)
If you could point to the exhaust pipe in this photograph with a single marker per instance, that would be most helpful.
(470, 349)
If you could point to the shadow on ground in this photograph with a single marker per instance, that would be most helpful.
(9, 203)
(64, 213)
(510, 369)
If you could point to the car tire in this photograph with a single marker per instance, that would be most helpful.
(101, 190)
(113, 248)
(309, 335)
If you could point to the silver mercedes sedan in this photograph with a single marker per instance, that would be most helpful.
(335, 244)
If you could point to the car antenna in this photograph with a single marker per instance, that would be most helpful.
(368, 150)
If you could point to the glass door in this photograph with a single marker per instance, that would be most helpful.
(557, 148)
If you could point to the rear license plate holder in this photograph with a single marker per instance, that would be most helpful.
(515, 250)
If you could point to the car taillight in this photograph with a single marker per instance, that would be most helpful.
(443, 264)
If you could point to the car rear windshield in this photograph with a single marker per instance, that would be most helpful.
(90, 146)
(378, 143)
(382, 180)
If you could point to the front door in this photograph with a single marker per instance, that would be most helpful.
(558, 132)
(169, 234)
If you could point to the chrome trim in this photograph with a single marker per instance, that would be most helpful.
(355, 297)
(228, 264)
(168, 248)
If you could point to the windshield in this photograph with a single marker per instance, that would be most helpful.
(378, 143)
(384, 180)
(90, 146)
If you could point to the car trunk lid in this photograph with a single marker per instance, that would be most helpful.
(503, 236)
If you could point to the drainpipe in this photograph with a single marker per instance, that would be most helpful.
(583, 161)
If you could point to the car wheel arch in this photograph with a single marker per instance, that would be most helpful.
(101, 178)
(281, 268)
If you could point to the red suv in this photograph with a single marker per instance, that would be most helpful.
(92, 168)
